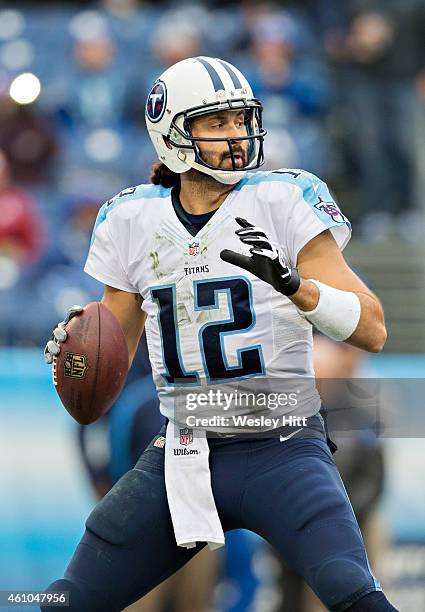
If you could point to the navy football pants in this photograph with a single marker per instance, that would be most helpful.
(289, 492)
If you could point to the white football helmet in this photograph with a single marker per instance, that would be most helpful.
(191, 88)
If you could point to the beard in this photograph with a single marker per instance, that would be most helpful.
(223, 161)
(204, 183)
(240, 158)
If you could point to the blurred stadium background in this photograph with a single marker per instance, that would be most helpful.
(343, 85)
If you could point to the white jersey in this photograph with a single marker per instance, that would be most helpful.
(209, 322)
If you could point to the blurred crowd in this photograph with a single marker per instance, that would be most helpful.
(342, 83)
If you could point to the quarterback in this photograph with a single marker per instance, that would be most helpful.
(227, 270)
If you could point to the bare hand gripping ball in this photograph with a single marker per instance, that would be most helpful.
(90, 370)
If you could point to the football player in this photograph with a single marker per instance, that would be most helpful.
(227, 270)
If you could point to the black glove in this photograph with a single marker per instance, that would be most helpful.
(265, 262)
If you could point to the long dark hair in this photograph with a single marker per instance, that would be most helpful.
(161, 175)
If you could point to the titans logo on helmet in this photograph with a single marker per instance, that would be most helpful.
(156, 102)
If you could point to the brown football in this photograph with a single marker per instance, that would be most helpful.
(91, 369)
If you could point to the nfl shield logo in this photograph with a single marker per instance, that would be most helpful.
(75, 366)
(194, 248)
(159, 442)
(186, 436)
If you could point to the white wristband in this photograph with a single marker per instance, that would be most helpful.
(337, 313)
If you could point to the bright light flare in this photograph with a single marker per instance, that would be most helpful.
(25, 88)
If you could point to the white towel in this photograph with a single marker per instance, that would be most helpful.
(188, 483)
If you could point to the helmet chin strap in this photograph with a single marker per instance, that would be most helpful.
(222, 176)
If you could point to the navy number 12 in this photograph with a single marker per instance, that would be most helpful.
(211, 335)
